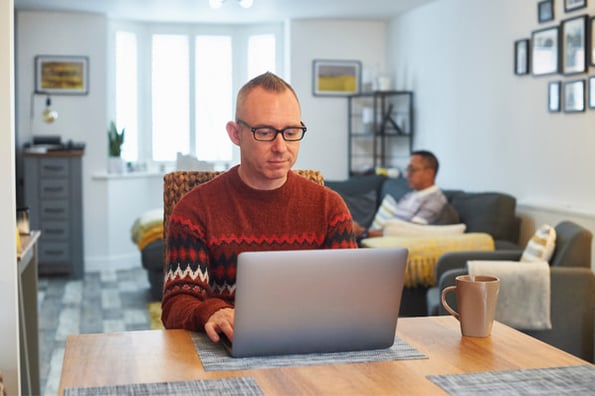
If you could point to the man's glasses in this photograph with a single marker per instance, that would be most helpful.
(268, 133)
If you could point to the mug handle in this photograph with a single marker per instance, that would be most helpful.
(445, 304)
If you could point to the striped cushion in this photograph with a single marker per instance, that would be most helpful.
(541, 245)
(386, 211)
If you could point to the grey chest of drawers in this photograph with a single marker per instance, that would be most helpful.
(53, 192)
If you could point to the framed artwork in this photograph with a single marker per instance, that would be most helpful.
(521, 57)
(592, 41)
(553, 101)
(571, 5)
(62, 75)
(336, 77)
(545, 11)
(592, 92)
(574, 45)
(574, 96)
(544, 51)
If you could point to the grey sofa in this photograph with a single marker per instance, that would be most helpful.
(572, 288)
(489, 212)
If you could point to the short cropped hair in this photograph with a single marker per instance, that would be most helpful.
(267, 81)
(429, 158)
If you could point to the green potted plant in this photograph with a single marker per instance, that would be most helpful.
(115, 142)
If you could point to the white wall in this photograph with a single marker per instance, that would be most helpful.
(491, 129)
(9, 338)
(325, 145)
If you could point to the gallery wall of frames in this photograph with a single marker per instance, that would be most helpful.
(562, 47)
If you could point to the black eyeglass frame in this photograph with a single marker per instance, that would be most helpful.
(277, 131)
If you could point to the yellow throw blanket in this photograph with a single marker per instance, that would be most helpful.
(147, 228)
(424, 252)
(524, 297)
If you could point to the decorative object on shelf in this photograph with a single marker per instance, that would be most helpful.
(116, 163)
(23, 220)
(573, 40)
(521, 57)
(544, 51)
(592, 92)
(545, 11)
(62, 75)
(336, 77)
(572, 5)
(216, 4)
(574, 96)
(554, 96)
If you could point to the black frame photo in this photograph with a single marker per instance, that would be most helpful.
(521, 57)
(554, 89)
(62, 75)
(573, 45)
(572, 5)
(336, 77)
(592, 41)
(545, 11)
(544, 51)
(574, 96)
(592, 92)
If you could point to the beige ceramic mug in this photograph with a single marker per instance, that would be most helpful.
(477, 297)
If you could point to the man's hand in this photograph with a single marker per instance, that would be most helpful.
(220, 322)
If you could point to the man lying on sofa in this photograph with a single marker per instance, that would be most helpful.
(423, 204)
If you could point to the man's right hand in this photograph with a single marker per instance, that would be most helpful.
(220, 322)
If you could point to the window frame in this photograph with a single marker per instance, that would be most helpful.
(239, 34)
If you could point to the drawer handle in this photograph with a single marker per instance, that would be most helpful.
(53, 210)
(53, 167)
(54, 252)
(53, 189)
(54, 231)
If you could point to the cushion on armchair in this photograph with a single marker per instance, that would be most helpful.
(541, 245)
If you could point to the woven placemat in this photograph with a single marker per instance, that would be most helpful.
(215, 357)
(571, 380)
(228, 386)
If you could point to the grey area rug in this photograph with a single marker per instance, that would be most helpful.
(215, 357)
(224, 387)
(571, 380)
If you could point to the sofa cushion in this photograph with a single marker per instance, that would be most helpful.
(541, 245)
(385, 212)
(448, 215)
(397, 227)
(357, 192)
(396, 187)
(362, 207)
(490, 212)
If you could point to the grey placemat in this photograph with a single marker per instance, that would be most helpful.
(214, 357)
(571, 380)
(226, 387)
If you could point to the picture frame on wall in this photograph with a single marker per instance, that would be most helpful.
(592, 41)
(573, 5)
(592, 92)
(336, 77)
(62, 75)
(574, 96)
(545, 11)
(573, 36)
(521, 57)
(554, 96)
(544, 51)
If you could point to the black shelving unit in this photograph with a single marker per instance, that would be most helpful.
(380, 130)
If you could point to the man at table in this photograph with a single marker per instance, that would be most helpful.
(258, 205)
(424, 203)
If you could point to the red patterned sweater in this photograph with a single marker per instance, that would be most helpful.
(218, 220)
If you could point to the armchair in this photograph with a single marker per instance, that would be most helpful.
(572, 288)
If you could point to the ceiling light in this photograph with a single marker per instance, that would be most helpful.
(215, 4)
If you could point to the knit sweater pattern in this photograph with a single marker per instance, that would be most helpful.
(217, 220)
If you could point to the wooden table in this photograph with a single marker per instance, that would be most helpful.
(159, 356)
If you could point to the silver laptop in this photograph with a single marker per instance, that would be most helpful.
(315, 301)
